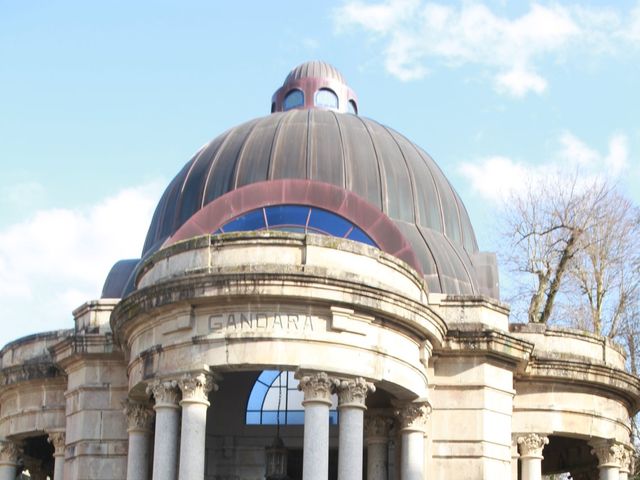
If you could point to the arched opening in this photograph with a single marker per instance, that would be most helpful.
(326, 98)
(293, 99)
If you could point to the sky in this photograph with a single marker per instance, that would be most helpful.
(101, 103)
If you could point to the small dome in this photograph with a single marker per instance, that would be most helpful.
(315, 69)
(315, 85)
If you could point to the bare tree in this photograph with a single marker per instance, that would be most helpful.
(546, 227)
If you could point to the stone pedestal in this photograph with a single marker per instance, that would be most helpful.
(195, 390)
(376, 437)
(165, 453)
(57, 439)
(352, 394)
(317, 389)
(610, 456)
(412, 419)
(531, 447)
(139, 422)
(8, 460)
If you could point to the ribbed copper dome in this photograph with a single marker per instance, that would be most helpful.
(354, 153)
(315, 69)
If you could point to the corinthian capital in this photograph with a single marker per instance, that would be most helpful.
(139, 415)
(625, 464)
(531, 445)
(317, 387)
(196, 387)
(413, 416)
(165, 392)
(609, 452)
(352, 392)
(9, 452)
(376, 428)
(57, 439)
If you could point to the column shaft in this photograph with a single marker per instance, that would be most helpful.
(138, 456)
(58, 467)
(317, 388)
(412, 456)
(195, 389)
(315, 456)
(531, 468)
(609, 473)
(8, 472)
(350, 443)
(165, 451)
(412, 418)
(377, 453)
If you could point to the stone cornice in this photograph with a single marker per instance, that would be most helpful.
(85, 347)
(424, 323)
(486, 342)
(611, 380)
(29, 371)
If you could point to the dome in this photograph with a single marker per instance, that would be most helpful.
(356, 154)
(315, 69)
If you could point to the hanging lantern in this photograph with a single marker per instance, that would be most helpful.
(276, 456)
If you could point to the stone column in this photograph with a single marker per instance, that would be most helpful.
(625, 465)
(165, 450)
(352, 394)
(317, 390)
(57, 439)
(139, 423)
(610, 455)
(412, 419)
(195, 390)
(9, 452)
(376, 437)
(531, 447)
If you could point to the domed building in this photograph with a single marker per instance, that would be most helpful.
(311, 303)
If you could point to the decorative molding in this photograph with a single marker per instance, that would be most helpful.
(531, 445)
(609, 452)
(165, 393)
(317, 387)
(30, 371)
(627, 457)
(413, 416)
(352, 392)
(196, 387)
(377, 428)
(57, 439)
(139, 415)
(9, 452)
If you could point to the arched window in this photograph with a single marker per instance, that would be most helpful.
(295, 98)
(275, 399)
(299, 219)
(326, 98)
(353, 108)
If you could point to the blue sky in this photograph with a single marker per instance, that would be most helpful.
(102, 103)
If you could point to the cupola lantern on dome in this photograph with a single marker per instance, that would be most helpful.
(315, 84)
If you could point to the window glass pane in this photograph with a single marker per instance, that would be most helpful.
(295, 417)
(358, 235)
(257, 395)
(333, 417)
(268, 376)
(249, 221)
(326, 98)
(269, 418)
(328, 223)
(271, 399)
(253, 418)
(287, 215)
(294, 400)
(294, 98)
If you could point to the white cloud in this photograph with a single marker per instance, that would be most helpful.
(495, 178)
(58, 258)
(419, 35)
